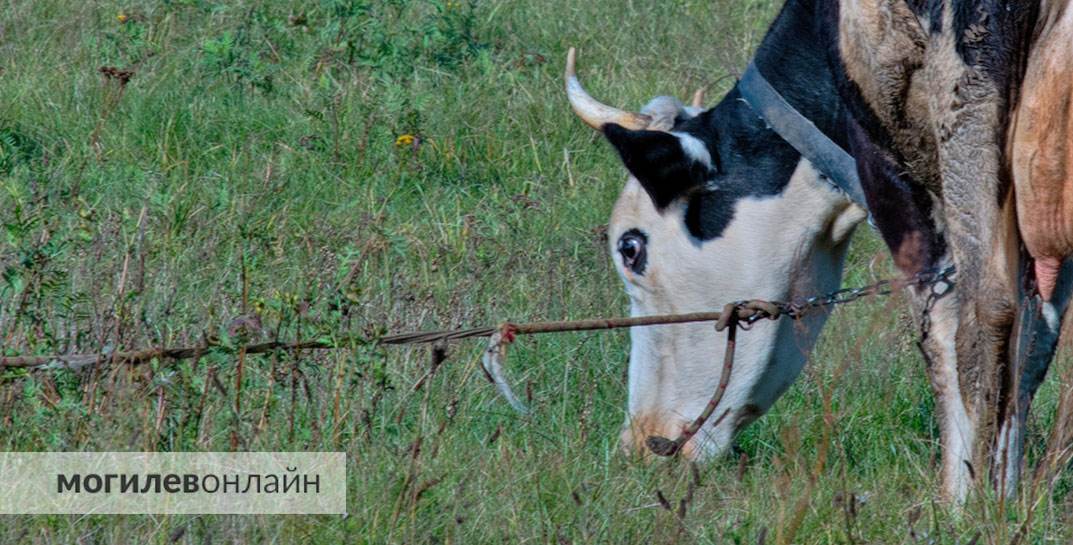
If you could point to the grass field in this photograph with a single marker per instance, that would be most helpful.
(345, 168)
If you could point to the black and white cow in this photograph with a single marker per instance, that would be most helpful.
(718, 207)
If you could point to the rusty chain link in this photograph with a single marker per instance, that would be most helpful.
(751, 311)
(929, 303)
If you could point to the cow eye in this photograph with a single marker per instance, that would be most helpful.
(631, 246)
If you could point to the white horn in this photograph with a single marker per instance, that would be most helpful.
(698, 98)
(594, 113)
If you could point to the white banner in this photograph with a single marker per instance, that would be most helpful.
(177, 483)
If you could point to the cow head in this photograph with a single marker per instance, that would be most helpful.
(716, 208)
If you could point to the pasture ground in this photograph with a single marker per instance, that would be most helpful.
(353, 167)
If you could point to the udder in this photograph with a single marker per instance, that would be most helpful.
(1042, 150)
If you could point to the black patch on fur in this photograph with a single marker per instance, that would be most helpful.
(755, 162)
(752, 160)
(995, 38)
(929, 10)
(793, 58)
(857, 108)
(658, 161)
(994, 35)
(900, 207)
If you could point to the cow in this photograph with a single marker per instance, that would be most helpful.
(946, 106)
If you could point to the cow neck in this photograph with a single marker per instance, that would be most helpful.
(802, 134)
(793, 57)
(789, 84)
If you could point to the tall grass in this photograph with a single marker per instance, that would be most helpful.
(302, 170)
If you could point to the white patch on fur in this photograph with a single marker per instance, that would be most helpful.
(1008, 456)
(693, 111)
(675, 368)
(956, 427)
(694, 148)
(846, 222)
(663, 110)
(1050, 315)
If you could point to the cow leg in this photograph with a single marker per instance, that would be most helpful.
(936, 311)
(882, 48)
(1033, 347)
(903, 210)
(971, 72)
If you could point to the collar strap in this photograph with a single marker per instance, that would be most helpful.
(828, 158)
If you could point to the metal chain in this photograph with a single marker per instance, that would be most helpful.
(929, 303)
(753, 311)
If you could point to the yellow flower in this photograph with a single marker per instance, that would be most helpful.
(122, 17)
(405, 140)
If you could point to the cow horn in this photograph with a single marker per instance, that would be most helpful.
(594, 113)
(698, 98)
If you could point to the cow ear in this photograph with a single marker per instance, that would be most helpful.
(667, 165)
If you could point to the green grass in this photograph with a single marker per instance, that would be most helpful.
(255, 151)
